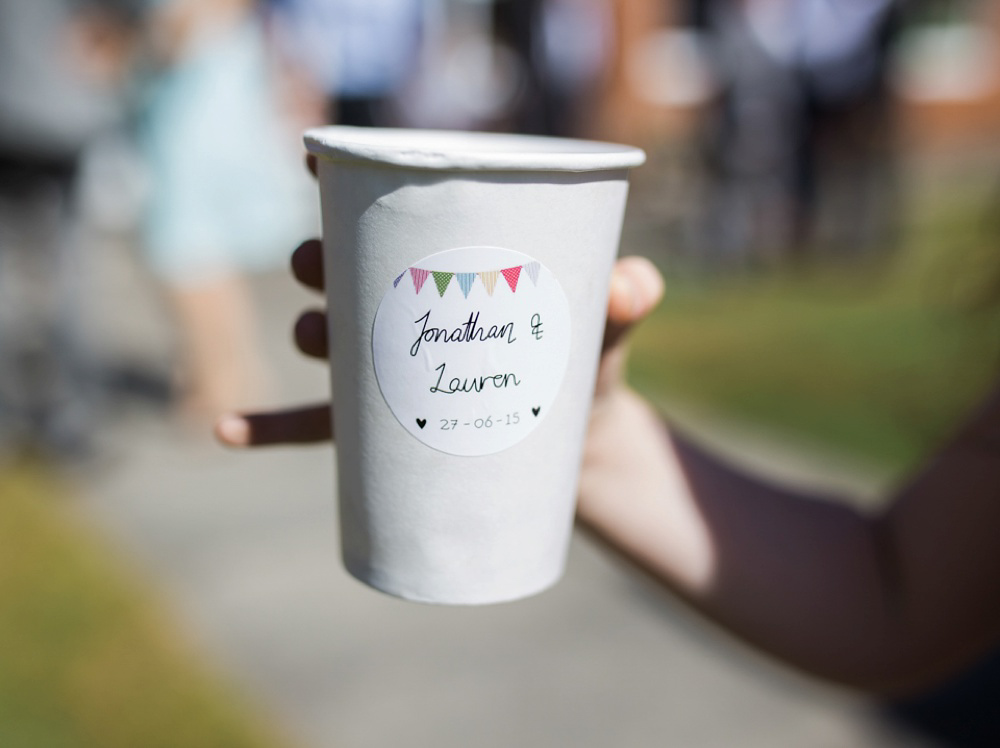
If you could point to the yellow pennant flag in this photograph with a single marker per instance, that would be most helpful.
(489, 279)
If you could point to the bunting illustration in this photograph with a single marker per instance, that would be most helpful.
(489, 278)
(470, 366)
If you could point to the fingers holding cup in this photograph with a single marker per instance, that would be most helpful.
(636, 289)
(303, 425)
(307, 264)
(311, 334)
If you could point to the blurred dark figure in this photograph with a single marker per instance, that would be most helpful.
(57, 73)
(799, 144)
(563, 47)
(357, 54)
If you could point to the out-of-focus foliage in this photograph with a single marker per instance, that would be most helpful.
(878, 360)
(86, 660)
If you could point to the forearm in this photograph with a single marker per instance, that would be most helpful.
(806, 580)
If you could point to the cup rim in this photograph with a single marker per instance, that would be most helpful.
(461, 150)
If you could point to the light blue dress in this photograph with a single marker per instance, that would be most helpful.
(226, 189)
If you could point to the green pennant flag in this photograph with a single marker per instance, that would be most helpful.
(441, 280)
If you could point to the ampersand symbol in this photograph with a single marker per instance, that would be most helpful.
(536, 326)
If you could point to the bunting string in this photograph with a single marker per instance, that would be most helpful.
(465, 281)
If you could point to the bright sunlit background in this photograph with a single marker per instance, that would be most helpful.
(822, 195)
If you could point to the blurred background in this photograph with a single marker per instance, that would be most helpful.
(822, 195)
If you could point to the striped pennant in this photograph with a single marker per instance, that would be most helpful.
(399, 277)
(532, 268)
(489, 279)
(419, 277)
(465, 281)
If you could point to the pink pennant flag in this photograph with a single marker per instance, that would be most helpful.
(511, 275)
(489, 279)
(419, 276)
(533, 268)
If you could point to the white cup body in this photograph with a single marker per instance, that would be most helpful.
(417, 522)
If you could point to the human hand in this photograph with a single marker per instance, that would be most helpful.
(636, 287)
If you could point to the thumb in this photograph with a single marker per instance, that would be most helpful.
(636, 289)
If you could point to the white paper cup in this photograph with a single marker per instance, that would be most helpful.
(467, 280)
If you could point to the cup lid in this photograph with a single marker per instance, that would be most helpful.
(453, 150)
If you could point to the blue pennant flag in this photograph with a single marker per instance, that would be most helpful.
(465, 281)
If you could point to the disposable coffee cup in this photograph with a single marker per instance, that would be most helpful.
(467, 278)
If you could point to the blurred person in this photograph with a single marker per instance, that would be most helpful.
(799, 144)
(577, 41)
(466, 79)
(225, 193)
(889, 602)
(60, 70)
(564, 47)
(357, 54)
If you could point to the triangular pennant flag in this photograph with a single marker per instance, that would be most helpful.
(419, 276)
(511, 275)
(489, 279)
(441, 280)
(465, 281)
(533, 268)
(399, 277)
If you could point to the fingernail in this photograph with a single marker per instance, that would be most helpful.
(649, 284)
(634, 296)
(233, 430)
(638, 305)
(622, 297)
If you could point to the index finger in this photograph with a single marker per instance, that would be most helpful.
(307, 264)
(304, 425)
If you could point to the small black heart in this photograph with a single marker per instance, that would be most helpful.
(421, 422)
(535, 410)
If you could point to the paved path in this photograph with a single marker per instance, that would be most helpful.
(244, 547)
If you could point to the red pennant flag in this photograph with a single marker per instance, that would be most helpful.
(419, 276)
(511, 275)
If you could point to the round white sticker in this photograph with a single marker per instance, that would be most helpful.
(470, 348)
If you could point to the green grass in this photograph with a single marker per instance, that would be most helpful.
(877, 363)
(86, 658)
